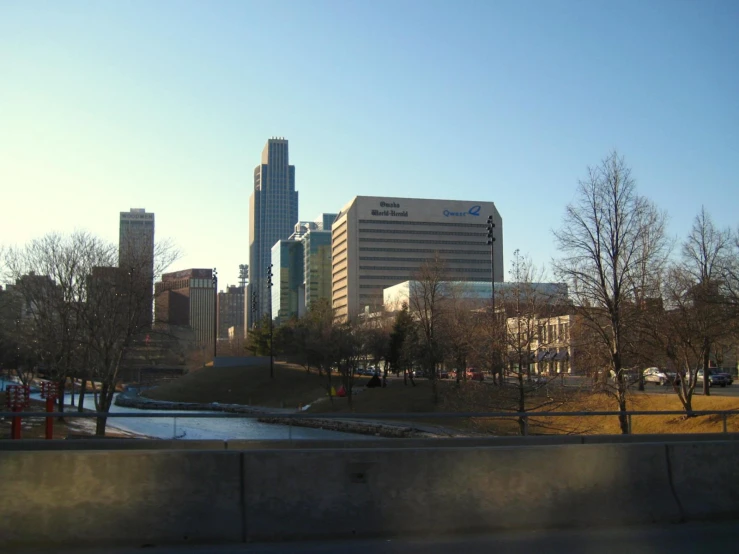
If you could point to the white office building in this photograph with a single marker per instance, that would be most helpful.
(378, 242)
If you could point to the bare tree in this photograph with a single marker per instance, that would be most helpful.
(706, 257)
(427, 299)
(531, 310)
(677, 331)
(50, 276)
(459, 330)
(116, 315)
(610, 239)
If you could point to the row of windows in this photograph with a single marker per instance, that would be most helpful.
(420, 241)
(427, 250)
(395, 277)
(435, 233)
(428, 223)
(451, 269)
(422, 260)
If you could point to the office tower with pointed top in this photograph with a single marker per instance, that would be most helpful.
(273, 213)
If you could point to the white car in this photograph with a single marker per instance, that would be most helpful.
(658, 376)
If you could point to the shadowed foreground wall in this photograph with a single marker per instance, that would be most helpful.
(142, 497)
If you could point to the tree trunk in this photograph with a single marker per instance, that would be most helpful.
(623, 418)
(706, 356)
(81, 397)
(60, 398)
(434, 389)
(106, 398)
(521, 403)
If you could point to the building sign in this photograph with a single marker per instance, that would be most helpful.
(474, 211)
(389, 212)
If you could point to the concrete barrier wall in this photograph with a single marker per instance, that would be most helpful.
(706, 479)
(159, 497)
(122, 497)
(432, 491)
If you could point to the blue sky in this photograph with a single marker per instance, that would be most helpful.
(167, 105)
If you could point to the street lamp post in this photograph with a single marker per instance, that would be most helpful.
(271, 352)
(215, 315)
(491, 242)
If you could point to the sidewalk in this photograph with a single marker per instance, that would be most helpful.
(715, 538)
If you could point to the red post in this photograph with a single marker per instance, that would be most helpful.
(15, 429)
(49, 391)
(17, 397)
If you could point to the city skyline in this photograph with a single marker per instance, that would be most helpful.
(499, 102)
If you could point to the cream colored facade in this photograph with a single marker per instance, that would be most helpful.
(378, 242)
(550, 346)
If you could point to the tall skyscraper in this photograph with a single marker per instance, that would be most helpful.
(273, 213)
(136, 254)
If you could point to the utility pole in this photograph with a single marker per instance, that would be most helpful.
(271, 352)
(215, 315)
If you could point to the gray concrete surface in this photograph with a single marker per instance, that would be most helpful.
(454, 490)
(123, 497)
(715, 538)
(157, 497)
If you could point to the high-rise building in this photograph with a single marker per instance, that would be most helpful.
(136, 254)
(187, 298)
(273, 212)
(380, 242)
(288, 292)
(317, 260)
(230, 310)
(302, 268)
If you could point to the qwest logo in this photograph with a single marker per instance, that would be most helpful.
(474, 210)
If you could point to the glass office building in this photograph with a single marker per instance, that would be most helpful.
(302, 268)
(317, 260)
(273, 212)
(288, 293)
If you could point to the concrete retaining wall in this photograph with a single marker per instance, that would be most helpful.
(159, 497)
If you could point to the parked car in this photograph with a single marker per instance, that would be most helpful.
(444, 374)
(716, 377)
(660, 377)
(475, 374)
(418, 373)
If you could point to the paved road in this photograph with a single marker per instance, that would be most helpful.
(713, 538)
(731, 390)
(651, 388)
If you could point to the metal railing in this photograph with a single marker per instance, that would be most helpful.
(400, 417)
